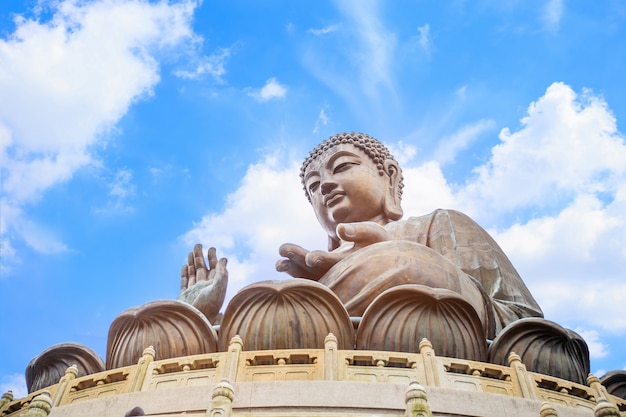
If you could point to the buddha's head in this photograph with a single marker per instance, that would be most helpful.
(352, 177)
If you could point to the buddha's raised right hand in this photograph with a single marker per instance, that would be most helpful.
(202, 287)
(301, 263)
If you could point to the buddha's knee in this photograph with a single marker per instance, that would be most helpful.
(544, 347)
(293, 314)
(173, 327)
(399, 318)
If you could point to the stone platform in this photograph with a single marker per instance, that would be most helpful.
(317, 382)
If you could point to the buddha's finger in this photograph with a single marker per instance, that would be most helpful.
(212, 257)
(322, 261)
(294, 253)
(362, 233)
(184, 277)
(295, 270)
(192, 276)
(198, 257)
(191, 270)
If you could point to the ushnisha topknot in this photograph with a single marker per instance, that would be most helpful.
(371, 146)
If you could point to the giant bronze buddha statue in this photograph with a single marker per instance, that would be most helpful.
(384, 283)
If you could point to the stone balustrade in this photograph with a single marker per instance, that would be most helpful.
(420, 373)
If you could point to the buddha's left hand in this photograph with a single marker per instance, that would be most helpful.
(301, 263)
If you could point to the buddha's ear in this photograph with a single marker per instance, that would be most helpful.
(392, 207)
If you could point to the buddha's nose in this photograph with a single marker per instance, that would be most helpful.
(327, 186)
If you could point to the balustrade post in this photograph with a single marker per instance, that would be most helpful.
(330, 358)
(40, 406)
(222, 400)
(416, 401)
(605, 409)
(147, 357)
(432, 369)
(547, 410)
(600, 390)
(524, 382)
(70, 374)
(7, 397)
(235, 348)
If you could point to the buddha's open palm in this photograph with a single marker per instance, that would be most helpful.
(202, 287)
(301, 263)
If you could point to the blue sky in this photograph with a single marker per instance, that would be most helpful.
(132, 129)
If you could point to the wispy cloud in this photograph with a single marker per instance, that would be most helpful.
(424, 38)
(450, 146)
(212, 65)
(552, 13)
(322, 120)
(271, 90)
(325, 30)
(357, 64)
(121, 188)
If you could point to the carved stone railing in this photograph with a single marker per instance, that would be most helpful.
(328, 364)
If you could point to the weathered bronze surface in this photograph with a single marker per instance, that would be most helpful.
(50, 365)
(293, 314)
(172, 327)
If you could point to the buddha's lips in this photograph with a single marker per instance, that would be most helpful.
(333, 198)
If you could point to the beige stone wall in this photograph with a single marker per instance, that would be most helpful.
(324, 382)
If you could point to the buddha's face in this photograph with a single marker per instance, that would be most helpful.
(345, 186)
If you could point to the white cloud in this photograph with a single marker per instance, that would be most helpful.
(71, 78)
(325, 30)
(597, 349)
(426, 189)
(563, 176)
(552, 13)
(271, 90)
(402, 152)
(450, 146)
(567, 145)
(15, 383)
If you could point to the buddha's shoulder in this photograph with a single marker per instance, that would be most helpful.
(447, 215)
(440, 221)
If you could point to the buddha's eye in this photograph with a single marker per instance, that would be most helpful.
(343, 166)
(313, 187)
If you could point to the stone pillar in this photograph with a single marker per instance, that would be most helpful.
(330, 357)
(142, 368)
(416, 401)
(40, 406)
(600, 390)
(524, 383)
(605, 409)
(222, 401)
(547, 410)
(234, 355)
(431, 367)
(7, 397)
(70, 374)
